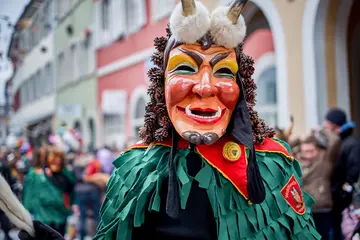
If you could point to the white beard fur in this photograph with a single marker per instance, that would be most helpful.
(223, 31)
(189, 29)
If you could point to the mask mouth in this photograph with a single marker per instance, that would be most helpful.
(202, 115)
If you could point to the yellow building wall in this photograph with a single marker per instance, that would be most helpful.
(291, 14)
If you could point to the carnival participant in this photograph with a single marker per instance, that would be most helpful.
(49, 189)
(207, 167)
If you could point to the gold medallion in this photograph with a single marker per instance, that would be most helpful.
(231, 151)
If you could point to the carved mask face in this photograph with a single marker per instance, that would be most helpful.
(201, 91)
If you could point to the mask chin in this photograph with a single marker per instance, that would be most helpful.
(198, 138)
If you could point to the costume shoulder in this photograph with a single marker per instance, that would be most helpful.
(287, 205)
(138, 171)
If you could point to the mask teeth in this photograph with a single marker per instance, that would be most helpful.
(189, 113)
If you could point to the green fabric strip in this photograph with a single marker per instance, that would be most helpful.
(136, 183)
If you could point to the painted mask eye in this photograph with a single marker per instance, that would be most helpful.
(185, 69)
(224, 72)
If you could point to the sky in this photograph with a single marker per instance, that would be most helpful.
(12, 9)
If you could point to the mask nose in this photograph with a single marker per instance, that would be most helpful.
(204, 88)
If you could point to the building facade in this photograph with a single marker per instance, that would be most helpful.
(306, 57)
(33, 81)
(304, 52)
(75, 68)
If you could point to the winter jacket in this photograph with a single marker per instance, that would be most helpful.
(346, 170)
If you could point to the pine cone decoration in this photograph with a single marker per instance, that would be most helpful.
(246, 66)
(158, 59)
(162, 134)
(160, 43)
(156, 75)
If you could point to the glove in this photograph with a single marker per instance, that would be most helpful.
(42, 232)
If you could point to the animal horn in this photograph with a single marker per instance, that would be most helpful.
(235, 10)
(189, 7)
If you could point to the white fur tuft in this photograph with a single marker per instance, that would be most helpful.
(11, 206)
(191, 28)
(223, 32)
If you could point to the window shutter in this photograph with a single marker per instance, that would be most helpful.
(118, 18)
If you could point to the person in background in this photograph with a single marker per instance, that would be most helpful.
(285, 134)
(88, 193)
(318, 154)
(347, 167)
(6, 173)
(106, 157)
(49, 189)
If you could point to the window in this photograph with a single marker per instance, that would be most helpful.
(135, 15)
(105, 14)
(92, 131)
(74, 66)
(162, 8)
(59, 9)
(62, 7)
(31, 88)
(22, 94)
(139, 116)
(113, 124)
(49, 79)
(83, 58)
(267, 95)
(61, 69)
(25, 43)
(38, 85)
(47, 18)
(138, 101)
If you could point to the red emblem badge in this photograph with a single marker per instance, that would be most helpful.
(293, 195)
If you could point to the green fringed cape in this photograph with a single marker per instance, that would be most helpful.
(135, 185)
(44, 200)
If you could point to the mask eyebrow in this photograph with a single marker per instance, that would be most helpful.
(197, 58)
(218, 58)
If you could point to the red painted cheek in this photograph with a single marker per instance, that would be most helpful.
(177, 89)
(229, 93)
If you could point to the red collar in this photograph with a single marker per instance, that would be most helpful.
(228, 157)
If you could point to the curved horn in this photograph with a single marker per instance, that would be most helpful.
(189, 7)
(235, 10)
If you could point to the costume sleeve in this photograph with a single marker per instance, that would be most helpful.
(130, 191)
(353, 165)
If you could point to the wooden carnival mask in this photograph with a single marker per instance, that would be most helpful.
(201, 91)
(55, 160)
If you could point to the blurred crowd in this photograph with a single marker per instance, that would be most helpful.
(329, 157)
(59, 182)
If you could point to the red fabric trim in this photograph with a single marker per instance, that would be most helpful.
(270, 145)
(234, 171)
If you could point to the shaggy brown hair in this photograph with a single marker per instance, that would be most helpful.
(157, 126)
